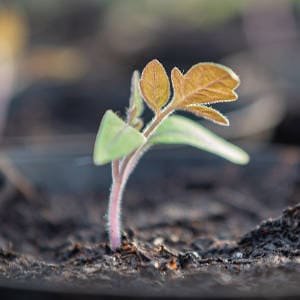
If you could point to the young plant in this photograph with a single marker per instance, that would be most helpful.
(123, 142)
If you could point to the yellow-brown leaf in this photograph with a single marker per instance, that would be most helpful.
(13, 32)
(155, 85)
(207, 113)
(208, 83)
(177, 82)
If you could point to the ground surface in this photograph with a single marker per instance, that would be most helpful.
(194, 229)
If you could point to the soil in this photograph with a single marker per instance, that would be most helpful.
(194, 229)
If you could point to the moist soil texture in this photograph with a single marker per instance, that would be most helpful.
(207, 230)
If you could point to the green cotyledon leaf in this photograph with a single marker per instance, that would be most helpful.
(180, 130)
(115, 139)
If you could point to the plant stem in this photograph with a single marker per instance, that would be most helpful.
(114, 209)
(115, 168)
(130, 161)
(120, 176)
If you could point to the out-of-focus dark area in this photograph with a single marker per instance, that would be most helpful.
(63, 63)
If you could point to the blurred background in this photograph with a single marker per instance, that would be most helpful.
(63, 63)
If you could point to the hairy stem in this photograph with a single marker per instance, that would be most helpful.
(121, 173)
(114, 209)
(115, 168)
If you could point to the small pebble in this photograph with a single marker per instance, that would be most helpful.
(238, 255)
(158, 241)
(174, 238)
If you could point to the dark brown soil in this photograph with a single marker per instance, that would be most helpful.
(211, 229)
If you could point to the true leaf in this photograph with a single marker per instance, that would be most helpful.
(177, 82)
(136, 104)
(115, 139)
(207, 113)
(180, 130)
(207, 83)
(155, 85)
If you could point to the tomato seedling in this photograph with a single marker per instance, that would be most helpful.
(123, 142)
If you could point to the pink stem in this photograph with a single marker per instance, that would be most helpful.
(114, 212)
